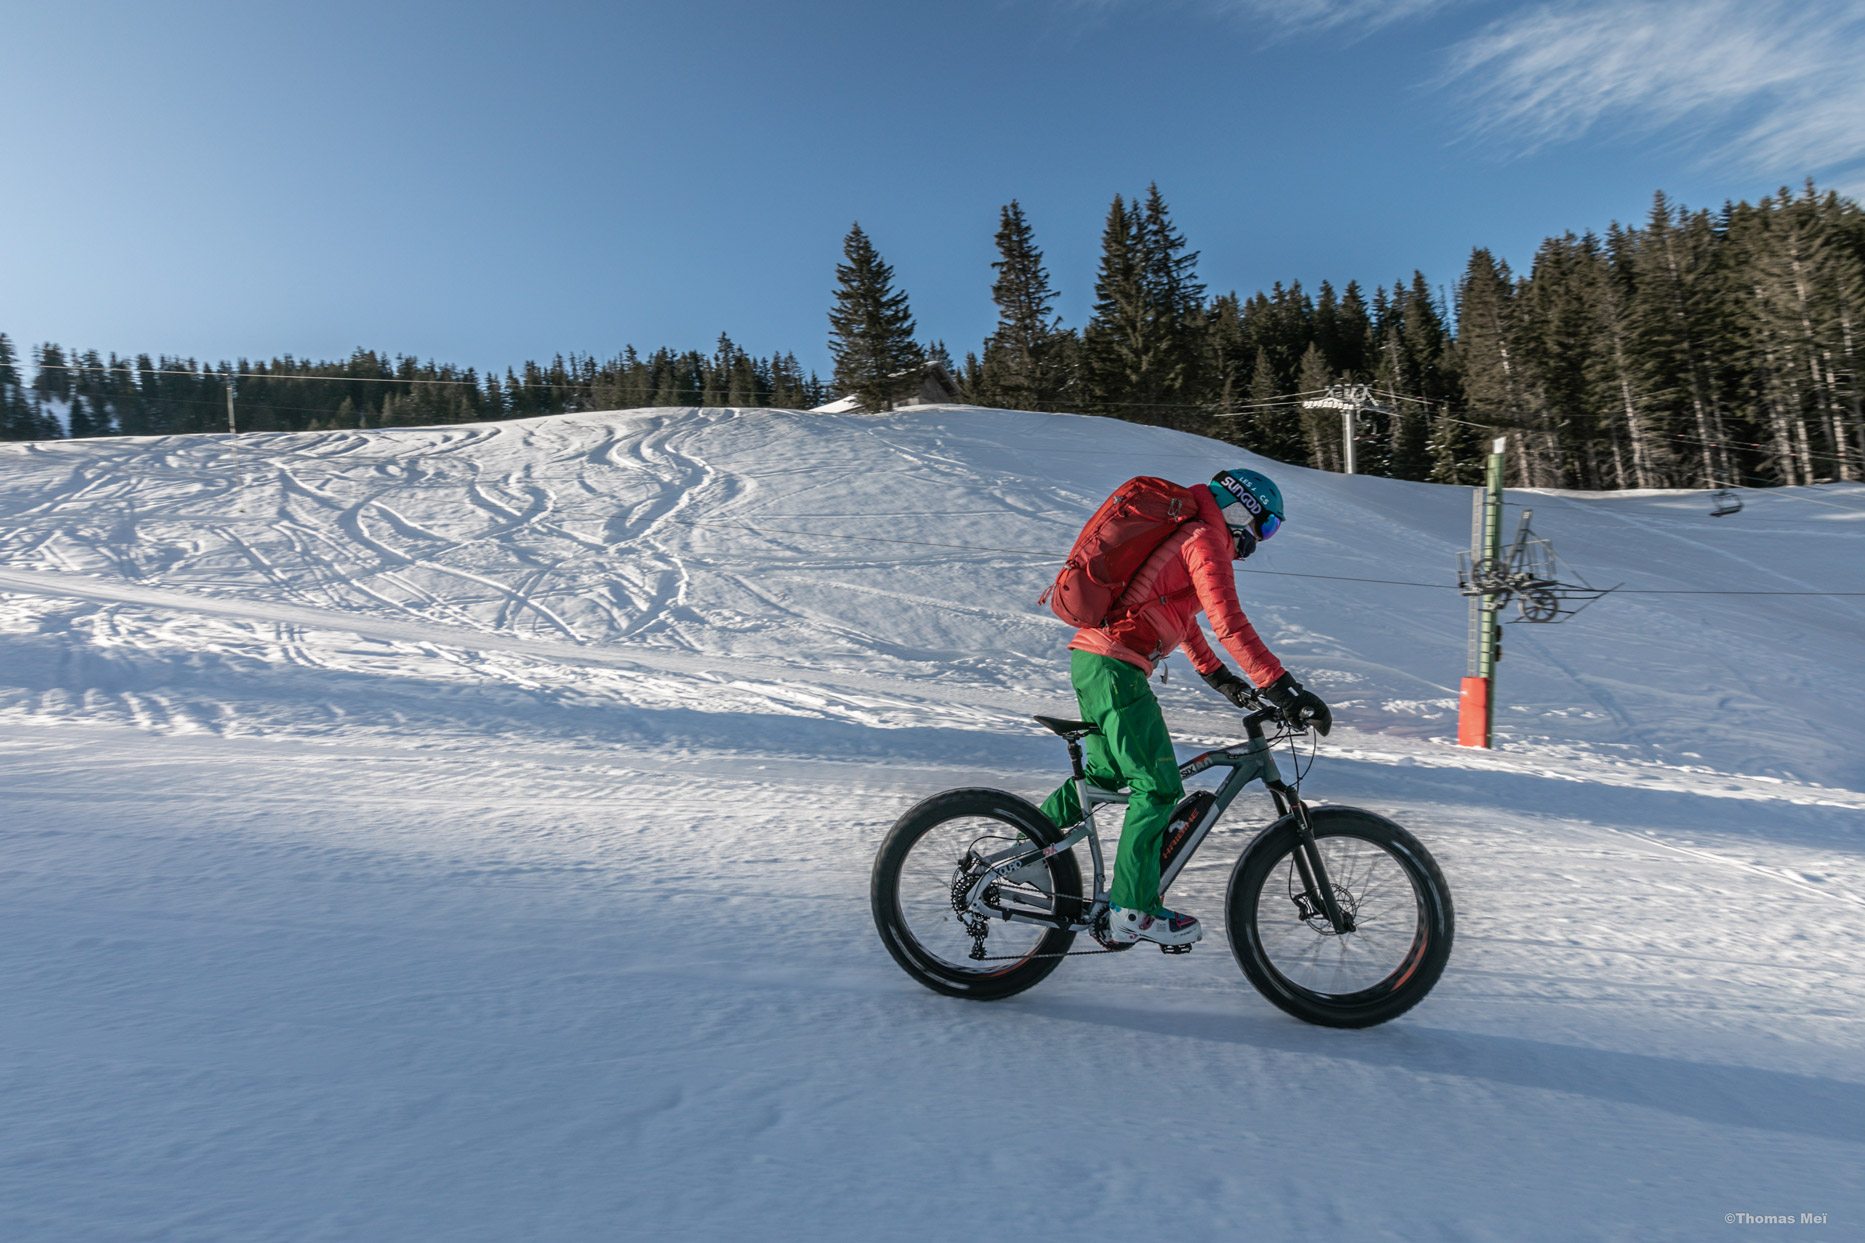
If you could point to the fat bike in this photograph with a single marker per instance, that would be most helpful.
(1338, 916)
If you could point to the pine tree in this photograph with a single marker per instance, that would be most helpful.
(1557, 331)
(1320, 428)
(1119, 350)
(1022, 364)
(871, 329)
(1488, 354)
(1797, 259)
(1411, 354)
(51, 386)
(1674, 313)
(1176, 320)
(716, 387)
(1281, 322)
(1351, 351)
(18, 419)
(1228, 366)
(1343, 333)
(1276, 424)
(1643, 456)
(1844, 349)
(789, 390)
(92, 412)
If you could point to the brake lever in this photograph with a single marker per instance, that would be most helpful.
(1258, 703)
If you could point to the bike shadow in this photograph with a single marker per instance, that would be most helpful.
(1771, 1100)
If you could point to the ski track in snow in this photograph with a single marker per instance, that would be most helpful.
(464, 833)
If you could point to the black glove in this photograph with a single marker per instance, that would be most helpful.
(1297, 706)
(1229, 685)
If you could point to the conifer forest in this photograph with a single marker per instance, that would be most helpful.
(1696, 348)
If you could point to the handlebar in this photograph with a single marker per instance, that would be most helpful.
(1253, 722)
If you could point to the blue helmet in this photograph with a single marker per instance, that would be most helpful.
(1252, 506)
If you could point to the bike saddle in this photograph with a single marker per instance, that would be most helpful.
(1068, 729)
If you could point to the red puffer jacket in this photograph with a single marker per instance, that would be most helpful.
(1187, 575)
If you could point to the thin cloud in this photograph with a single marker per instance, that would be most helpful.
(1782, 77)
(1332, 14)
(1298, 16)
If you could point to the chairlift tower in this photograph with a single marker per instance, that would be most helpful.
(1491, 576)
(1476, 704)
(1351, 400)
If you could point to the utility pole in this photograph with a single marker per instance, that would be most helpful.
(1476, 705)
(233, 431)
(1350, 400)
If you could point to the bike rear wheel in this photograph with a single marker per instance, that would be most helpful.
(929, 861)
(1381, 876)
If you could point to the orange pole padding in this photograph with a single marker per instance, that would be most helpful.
(1473, 713)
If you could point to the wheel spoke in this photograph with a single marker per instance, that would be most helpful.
(1369, 884)
(925, 886)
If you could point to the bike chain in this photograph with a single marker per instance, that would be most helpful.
(1065, 954)
(1107, 947)
(977, 927)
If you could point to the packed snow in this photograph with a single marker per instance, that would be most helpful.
(463, 833)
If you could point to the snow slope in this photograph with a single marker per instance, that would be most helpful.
(463, 833)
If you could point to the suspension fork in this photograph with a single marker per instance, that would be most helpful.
(1314, 872)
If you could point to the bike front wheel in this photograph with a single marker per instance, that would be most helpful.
(1383, 878)
(929, 862)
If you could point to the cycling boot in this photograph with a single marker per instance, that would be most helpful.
(1167, 928)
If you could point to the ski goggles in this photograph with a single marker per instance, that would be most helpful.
(1262, 527)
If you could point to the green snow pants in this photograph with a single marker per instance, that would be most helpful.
(1134, 750)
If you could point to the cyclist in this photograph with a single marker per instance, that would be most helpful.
(1188, 574)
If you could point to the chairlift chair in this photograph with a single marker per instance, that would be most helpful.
(1723, 502)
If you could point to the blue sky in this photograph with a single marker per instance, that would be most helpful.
(482, 182)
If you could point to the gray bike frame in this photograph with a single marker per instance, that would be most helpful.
(1250, 760)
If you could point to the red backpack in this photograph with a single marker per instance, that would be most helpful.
(1123, 533)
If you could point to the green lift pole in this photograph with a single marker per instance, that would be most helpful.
(1476, 706)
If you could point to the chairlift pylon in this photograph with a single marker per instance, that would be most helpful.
(1527, 573)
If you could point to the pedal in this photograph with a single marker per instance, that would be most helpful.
(1176, 949)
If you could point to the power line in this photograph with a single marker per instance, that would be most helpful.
(130, 371)
(1778, 494)
(1295, 399)
(866, 539)
(1716, 444)
(261, 403)
(1288, 400)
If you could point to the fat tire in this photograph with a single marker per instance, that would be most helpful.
(1391, 997)
(991, 982)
